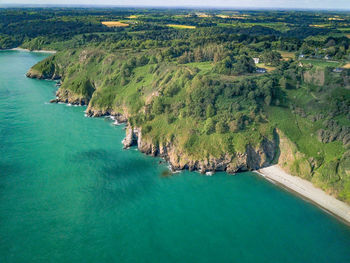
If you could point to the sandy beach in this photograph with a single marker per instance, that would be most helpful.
(307, 190)
(40, 51)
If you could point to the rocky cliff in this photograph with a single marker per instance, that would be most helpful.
(251, 159)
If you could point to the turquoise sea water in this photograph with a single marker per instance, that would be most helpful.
(69, 193)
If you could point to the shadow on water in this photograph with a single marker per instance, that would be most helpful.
(93, 154)
(166, 173)
(7, 169)
(117, 180)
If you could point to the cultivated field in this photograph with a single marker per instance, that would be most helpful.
(181, 26)
(223, 16)
(114, 24)
(320, 63)
(133, 16)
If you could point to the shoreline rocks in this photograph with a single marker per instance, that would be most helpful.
(251, 159)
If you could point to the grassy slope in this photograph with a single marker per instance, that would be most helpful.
(331, 168)
(133, 92)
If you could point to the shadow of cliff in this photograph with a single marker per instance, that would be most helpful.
(115, 179)
(276, 139)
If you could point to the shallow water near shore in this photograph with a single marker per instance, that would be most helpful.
(69, 193)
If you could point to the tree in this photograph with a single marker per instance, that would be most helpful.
(271, 58)
(209, 126)
(210, 111)
(233, 126)
(244, 65)
(158, 106)
(221, 127)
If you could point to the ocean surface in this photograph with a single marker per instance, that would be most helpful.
(69, 193)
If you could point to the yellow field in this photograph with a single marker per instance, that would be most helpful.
(133, 16)
(181, 26)
(347, 35)
(320, 26)
(336, 18)
(114, 24)
(202, 15)
(347, 66)
(223, 16)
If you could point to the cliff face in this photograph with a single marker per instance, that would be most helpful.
(35, 74)
(292, 161)
(46, 69)
(251, 159)
(65, 96)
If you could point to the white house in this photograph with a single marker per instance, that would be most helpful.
(256, 60)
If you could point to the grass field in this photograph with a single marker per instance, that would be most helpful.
(181, 26)
(114, 24)
(240, 16)
(321, 25)
(204, 67)
(346, 29)
(287, 55)
(202, 15)
(320, 63)
(223, 16)
(268, 68)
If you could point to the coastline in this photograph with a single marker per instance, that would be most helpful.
(302, 188)
(38, 51)
(307, 191)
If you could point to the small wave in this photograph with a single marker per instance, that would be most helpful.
(117, 123)
(172, 170)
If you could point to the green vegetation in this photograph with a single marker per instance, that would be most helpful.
(189, 79)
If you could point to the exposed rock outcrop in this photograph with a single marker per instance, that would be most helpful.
(292, 161)
(251, 159)
(48, 70)
(65, 96)
(131, 137)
